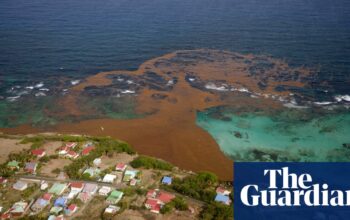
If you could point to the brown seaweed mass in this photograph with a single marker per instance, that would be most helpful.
(169, 91)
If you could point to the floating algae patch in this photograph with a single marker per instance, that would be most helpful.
(286, 135)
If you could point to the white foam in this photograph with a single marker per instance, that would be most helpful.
(128, 92)
(74, 82)
(44, 89)
(323, 103)
(340, 98)
(38, 94)
(39, 85)
(29, 87)
(291, 105)
(129, 82)
(191, 79)
(212, 86)
(170, 82)
(13, 98)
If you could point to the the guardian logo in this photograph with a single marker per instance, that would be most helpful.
(290, 189)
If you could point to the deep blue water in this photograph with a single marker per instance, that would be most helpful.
(74, 38)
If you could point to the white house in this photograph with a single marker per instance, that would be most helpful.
(104, 191)
(109, 178)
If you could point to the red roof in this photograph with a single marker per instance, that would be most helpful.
(151, 202)
(71, 144)
(72, 207)
(120, 166)
(2, 180)
(47, 196)
(87, 150)
(150, 193)
(64, 148)
(165, 197)
(156, 208)
(38, 152)
(72, 153)
(78, 185)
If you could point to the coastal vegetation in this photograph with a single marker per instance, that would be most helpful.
(151, 163)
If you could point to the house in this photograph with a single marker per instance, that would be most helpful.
(167, 180)
(84, 196)
(62, 176)
(87, 150)
(109, 178)
(72, 154)
(223, 199)
(3, 180)
(92, 171)
(90, 188)
(104, 190)
(153, 205)
(18, 208)
(47, 197)
(63, 150)
(43, 185)
(133, 182)
(71, 145)
(75, 189)
(164, 197)
(58, 188)
(53, 217)
(31, 167)
(121, 167)
(20, 185)
(56, 210)
(156, 199)
(129, 175)
(13, 165)
(39, 152)
(97, 162)
(71, 209)
(39, 205)
(222, 191)
(114, 197)
(112, 209)
(61, 201)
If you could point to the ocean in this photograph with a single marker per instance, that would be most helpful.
(49, 46)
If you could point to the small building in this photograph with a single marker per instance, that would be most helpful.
(18, 208)
(104, 191)
(109, 178)
(97, 162)
(20, 185)
(223, 199)
(164, 197)
(75, 189)
(153, 205)
(71, 209)
(39, 152)
(129, 175)
(87, 150)
(72, 154)
(63, 150)
(39, 205)
(92, 171)
(47, 197)
(3, 180)
(121, 167)
(84, 197)
(112, 209)
(71, 145)
(44, 185)
(114, 197)
(90, 188)
(31, 167)
(61, 201)
(167, 180)
(56, 210)
(58, 188)
(222, 191)
(133, 182)
(13, 165)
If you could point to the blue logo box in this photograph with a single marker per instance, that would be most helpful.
(291, 191)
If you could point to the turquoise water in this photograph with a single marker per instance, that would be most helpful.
(291, 135)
